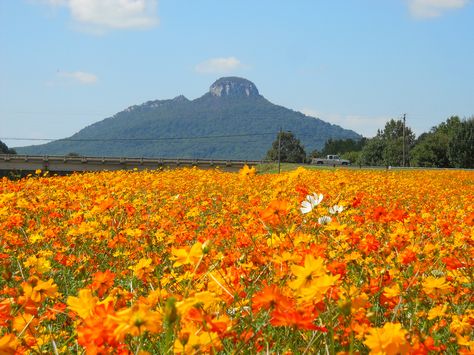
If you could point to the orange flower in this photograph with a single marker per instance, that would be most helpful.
(453, 263)
(8, 344)
(5, 310)
(96, 333)
(294, 318)
(275, 211)
(25, 322)
(268, 298)
(102, 281)
(37, 290)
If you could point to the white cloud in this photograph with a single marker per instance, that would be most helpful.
(79, 77)
(433, 8)
(111, 14)
(365, 125)
(219, 65)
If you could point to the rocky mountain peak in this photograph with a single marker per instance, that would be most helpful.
(233, 87)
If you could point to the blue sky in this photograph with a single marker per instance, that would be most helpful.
(66, 64)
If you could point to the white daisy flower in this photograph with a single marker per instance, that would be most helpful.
(336, 209)
(310, 202)
(324, 220)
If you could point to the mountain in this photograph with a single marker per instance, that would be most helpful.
(231, 121)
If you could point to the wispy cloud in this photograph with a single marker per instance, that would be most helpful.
(78, 77)
(433, 8)
(102, 15)
(219, 65)
(365, 125)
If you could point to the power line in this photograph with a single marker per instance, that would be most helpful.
(136, 139)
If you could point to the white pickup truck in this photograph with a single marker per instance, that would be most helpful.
(330, 160)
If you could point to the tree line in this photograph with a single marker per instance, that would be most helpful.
(447, 145)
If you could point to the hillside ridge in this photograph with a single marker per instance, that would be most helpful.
(232, 106)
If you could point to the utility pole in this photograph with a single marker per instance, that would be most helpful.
(404, 118)
(279, 148)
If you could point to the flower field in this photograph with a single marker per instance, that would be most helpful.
(192, 261)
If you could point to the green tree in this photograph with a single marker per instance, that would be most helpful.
(354, 157)
(315, 154)
(341, 146)
(431, 149)
(372, 154)
(461, 146)
(5, 150)
(291, 150)
(387, 147)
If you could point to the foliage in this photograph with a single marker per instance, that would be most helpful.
(5, 150)
(461, 146)
(372, 153)
(315, 154)
(291, 150)
(353, 157)
(192, 261)
(386, 148)
(431, 149)
(341, 146)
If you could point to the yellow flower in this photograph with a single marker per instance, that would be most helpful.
(438, 311)
(142, 268)
(38, 290)
(84, 304)
(435, 285)
(34, 238)
(465, 341)
(388, 340)
(305, 274)
(40, 265)
(196, 342)
(246, 171)
(185, 257)
(392, 292)
(286, 256)
(203, 299)
(136, 320)
(318, 288)
(460, 325)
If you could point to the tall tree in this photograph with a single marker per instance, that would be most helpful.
(389, 145)
(291, 150)
(431, 148)
(461, 146)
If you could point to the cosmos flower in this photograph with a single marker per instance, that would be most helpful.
(310, 202)
(389, 340)
(83, 304)
(435, 285)
(324, 220)
(336, 209)
(136, 320)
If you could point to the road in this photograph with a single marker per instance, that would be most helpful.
(65, 164)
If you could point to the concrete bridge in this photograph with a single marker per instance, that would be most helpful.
(66, 164)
